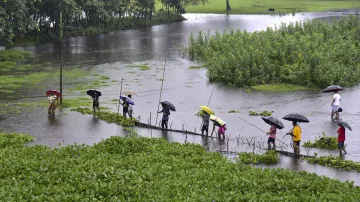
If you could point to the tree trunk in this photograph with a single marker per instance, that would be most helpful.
(228, 8)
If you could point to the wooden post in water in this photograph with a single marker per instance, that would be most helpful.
(150, 124)
(162, 83)
(61, 56)
(122, 79)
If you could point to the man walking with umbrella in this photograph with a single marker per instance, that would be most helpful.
(166, 107)
(96, 101)
(335, 106)
(296, 133)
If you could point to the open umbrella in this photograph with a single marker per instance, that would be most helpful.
(129, 92)
(93, 93)
(207, 109)
(332, 88)
(55, 92)
(296, 117)
(344, 124)
(168, 104)
(127, 99)
(217, 120)
(271, 120)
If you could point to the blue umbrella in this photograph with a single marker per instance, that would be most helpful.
(127, 99)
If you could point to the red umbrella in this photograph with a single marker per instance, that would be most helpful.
(49, 92)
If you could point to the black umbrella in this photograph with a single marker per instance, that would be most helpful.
(332, 88)
(93, 93)
(271, 120)
(296, 118)
(168, 104)
(344, 124)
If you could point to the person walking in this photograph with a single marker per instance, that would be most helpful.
(341, 139)
(272, 136)
(335, 106)
(96, 102)
(205, 125)
(296, 133)
(219, 123)
(165, 118)
(125, 105)
(130, 108)
(53, 102)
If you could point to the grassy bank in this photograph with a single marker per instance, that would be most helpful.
(281, 88)
(280, 6)
(138, 169)
(310, 54)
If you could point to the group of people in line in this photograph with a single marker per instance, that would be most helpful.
(296, 131)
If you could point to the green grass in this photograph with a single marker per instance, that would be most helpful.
(14, 55)
(76, 102)
(262, 6)
(196, 67)
(281, 88)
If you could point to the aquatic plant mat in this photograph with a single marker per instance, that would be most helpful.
(311, 54)
(323, 142)
(141, 169)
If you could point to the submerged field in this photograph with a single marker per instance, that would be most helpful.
(149, 169)
(262, 6)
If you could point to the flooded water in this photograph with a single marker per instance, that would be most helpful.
(187, 89)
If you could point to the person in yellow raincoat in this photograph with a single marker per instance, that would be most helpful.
(53, 102)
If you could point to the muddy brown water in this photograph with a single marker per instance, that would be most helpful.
(112, 54)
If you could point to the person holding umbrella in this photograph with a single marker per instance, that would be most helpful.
(166, 112)
(341, 136)
(53, 102)
(219, 123)
(129, 94)
(275, 124)
(125, 105)
(96, 101)
(53, 98)
(272, 136)
(206, 119)
(335, 106)
(296, 134)
(130, 112)
(95, 96)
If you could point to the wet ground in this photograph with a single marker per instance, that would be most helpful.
(187, 89)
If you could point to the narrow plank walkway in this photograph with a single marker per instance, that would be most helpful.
(144, 125)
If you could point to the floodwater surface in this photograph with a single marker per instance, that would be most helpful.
(113, 53)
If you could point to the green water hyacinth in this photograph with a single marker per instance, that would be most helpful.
(335, 162)
(149, 169)
(310, 53)
(108, 116)
(323, 142)
(269, 157)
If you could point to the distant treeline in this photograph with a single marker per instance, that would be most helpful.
(39, 20)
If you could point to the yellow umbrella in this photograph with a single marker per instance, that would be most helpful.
(207, 109)
(217, 119)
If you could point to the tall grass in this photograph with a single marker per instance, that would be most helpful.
(309, 53)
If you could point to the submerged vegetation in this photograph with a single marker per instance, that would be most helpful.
(262, 113)
(269, 157)
(310, 53)
(138, 169)
(107, 116)
(335, 162)
(323, 142)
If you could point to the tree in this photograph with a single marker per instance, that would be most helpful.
(228, 6)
